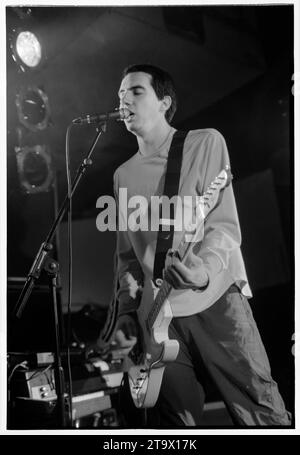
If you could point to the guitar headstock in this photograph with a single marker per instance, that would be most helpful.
(222, 180)
(211, 196)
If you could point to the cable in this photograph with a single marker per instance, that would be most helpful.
(21, 364)
(86, 162)
(70, 274)
(9, 400)
(38, 373)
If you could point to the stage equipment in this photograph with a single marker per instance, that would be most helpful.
(42, 262)
(26, 49)
(33, 108)
(34, 168)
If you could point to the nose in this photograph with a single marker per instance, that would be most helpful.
(125, 99)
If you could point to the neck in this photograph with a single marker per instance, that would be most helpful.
(150, 142)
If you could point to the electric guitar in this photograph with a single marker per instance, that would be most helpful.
(146, 361)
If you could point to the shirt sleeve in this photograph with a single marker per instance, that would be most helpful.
(222, 232)
(129, 272)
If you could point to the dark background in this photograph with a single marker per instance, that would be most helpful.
(233, 68)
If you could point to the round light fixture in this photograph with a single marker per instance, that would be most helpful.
(26, 49)
(33, 108)
(34, 168)
(29, 48)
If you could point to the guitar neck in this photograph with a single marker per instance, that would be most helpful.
(165, 287)
(207, 202)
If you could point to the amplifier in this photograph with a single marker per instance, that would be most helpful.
(91, 403)
(38, 384)
(41, 413)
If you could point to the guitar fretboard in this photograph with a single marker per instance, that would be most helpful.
(165, 288)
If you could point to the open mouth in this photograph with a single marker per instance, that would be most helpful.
(125, 113)
(130, 116)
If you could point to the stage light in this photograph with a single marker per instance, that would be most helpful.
(26, 49)
(33, 108)
(34, 168)
(29, 48)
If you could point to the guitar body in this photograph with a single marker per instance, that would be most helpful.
(145, 372)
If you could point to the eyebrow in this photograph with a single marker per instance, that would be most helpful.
(134, 87)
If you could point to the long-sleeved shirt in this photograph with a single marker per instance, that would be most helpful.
(204, 156)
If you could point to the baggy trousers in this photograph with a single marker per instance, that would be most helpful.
(224, 340)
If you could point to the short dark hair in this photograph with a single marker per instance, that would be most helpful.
(161, 82)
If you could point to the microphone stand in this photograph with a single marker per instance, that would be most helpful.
(41, 262)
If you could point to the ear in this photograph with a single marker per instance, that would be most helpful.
(166, 103)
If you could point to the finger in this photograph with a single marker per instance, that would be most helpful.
(121, 336)
(127, 325)
(123, 341)
(123, 352)
(175, 279)
(182, 270)
(123, 349)
(130, 330)
(169, 257)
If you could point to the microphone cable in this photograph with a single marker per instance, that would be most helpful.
(70, 274)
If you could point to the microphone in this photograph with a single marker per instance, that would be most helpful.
(118, 114)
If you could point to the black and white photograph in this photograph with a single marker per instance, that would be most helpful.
(150, 218)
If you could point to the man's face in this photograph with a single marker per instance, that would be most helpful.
(138, 96)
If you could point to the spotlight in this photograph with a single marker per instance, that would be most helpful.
(34, 167)
(33, 108)
(26, 49)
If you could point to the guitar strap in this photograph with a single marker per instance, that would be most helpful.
(171, 188)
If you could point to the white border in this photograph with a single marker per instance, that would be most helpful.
(107, 432)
